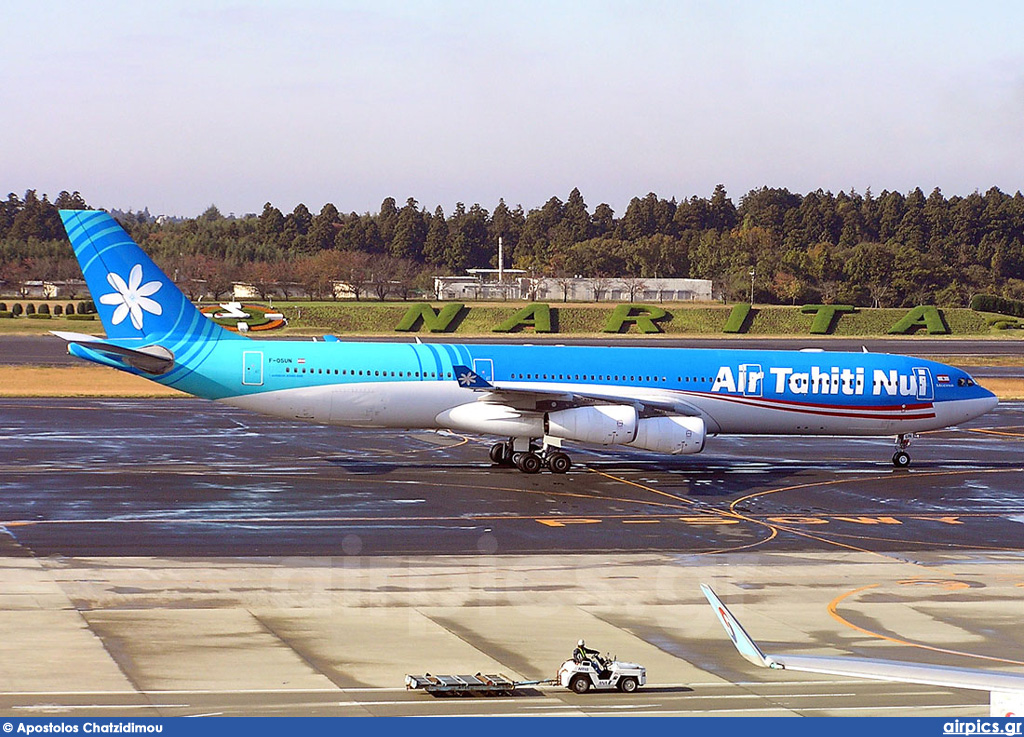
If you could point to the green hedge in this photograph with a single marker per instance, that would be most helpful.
(6, 313)
(536, 315)
(80, 317)
(826, 316)
(992, 303)
(436, 321)
(39, 316)
(644, 317)
(376, 318)
(1007, 325)
(737, 318)
(926, 316)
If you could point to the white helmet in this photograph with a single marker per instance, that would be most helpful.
(581, 643)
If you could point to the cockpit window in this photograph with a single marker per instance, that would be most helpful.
(965, 381)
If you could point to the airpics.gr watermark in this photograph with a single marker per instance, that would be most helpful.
(982, 726)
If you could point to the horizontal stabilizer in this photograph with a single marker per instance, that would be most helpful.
(150, 359)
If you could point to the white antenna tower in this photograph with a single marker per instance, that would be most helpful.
(501, 262)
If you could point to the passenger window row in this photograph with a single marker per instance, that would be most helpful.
(608, 377)
(367, 372)
(448, 375)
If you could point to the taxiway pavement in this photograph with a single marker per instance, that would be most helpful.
(185, 477)
(178, 557)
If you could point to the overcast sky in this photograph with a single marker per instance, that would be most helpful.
(177, 105)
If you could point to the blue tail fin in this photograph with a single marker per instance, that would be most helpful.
(135, 300)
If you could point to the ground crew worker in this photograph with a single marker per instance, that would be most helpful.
(583, 654)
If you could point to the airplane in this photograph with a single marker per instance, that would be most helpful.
(536, 398)
(1006, 690)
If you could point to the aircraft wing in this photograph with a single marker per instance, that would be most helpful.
(532, 396)
(1006, 689)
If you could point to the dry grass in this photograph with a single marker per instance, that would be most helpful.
(1004, 388)
(77, 381)
(962, 359)
(99, 381)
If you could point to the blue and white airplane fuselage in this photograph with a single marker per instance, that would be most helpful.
(735, 391)
(662, 399)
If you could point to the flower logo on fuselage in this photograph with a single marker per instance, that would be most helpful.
(133, 298)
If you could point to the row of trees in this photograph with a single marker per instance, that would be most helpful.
(315, 275)
(889, 250)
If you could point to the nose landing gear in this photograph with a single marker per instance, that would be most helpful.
(901, 459)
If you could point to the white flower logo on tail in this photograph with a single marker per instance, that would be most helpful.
(132, 298)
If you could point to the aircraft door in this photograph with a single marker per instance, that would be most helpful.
(924, 384)
(750, 380)
(484, 368)
(252, 368)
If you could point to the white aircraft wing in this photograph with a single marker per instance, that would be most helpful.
(528, 396)
(1006, 689)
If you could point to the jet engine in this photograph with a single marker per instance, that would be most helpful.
(492, 419)
(604, 424)
(674, 434)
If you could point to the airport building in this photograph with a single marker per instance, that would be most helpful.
(39, 289)
(514, 284)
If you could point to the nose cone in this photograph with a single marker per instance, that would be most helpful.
(989, 402)
(982, 404)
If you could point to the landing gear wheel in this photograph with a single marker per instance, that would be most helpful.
(529, 463)
(628, 684)
(580, 684)
(497, 454)
(559, 462)
(901, 459)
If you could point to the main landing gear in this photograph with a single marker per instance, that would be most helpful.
(901, 458)
(531, 460)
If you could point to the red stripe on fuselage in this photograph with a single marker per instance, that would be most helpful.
(884, 412)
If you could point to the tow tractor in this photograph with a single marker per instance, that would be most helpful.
(610, 673)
